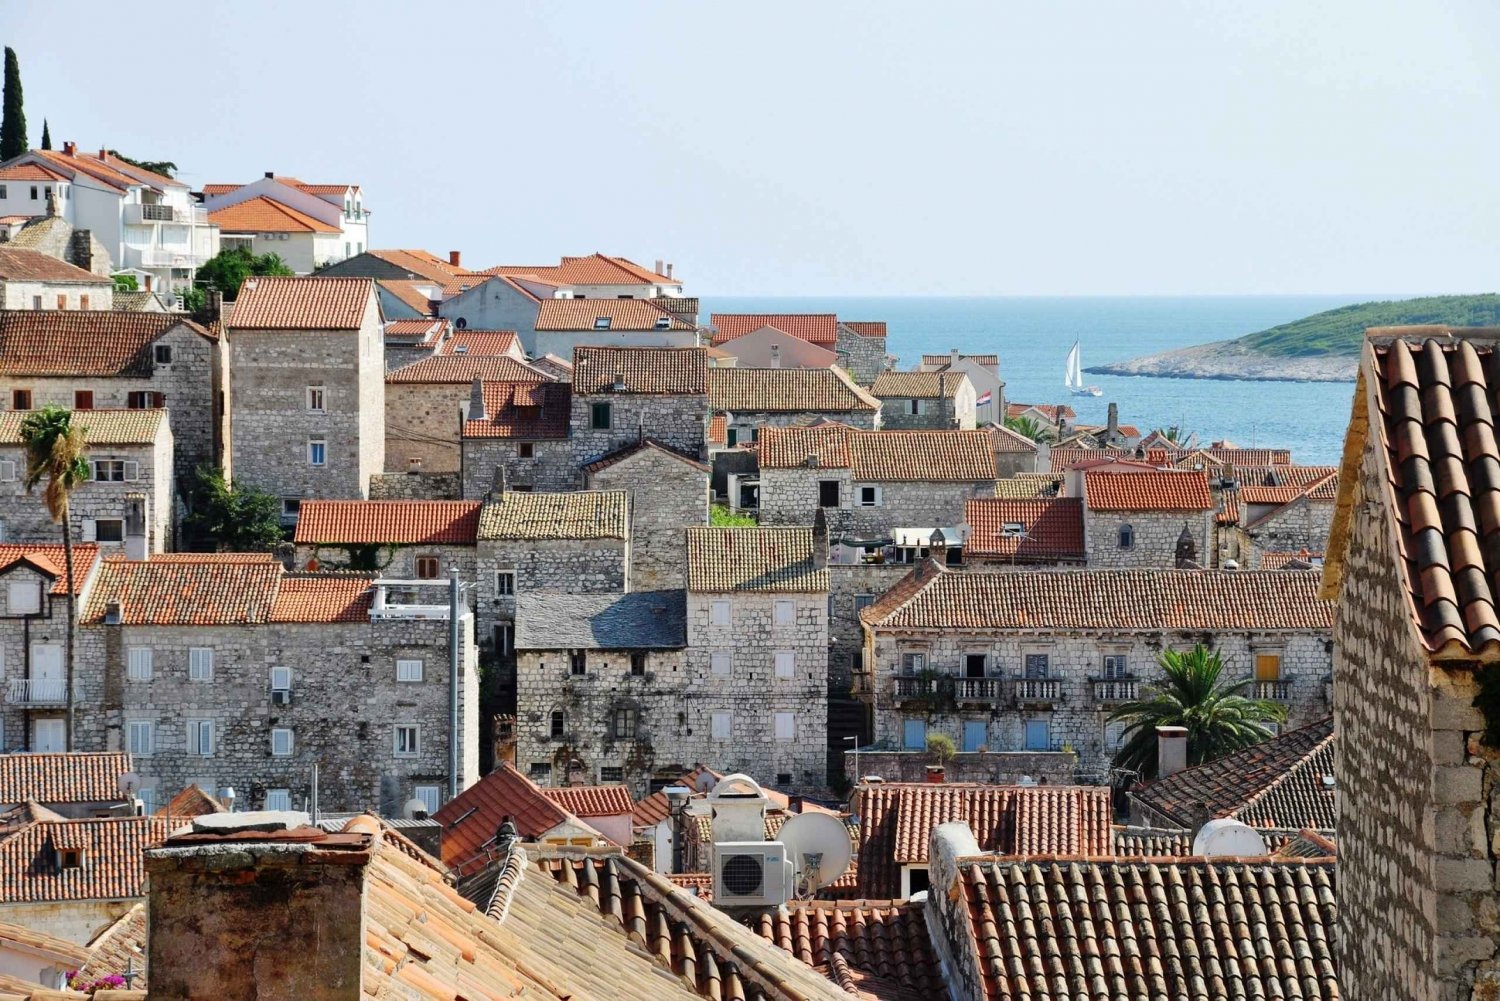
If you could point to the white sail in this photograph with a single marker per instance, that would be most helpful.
(1074, 377)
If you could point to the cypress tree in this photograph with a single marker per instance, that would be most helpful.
(13, 122)
(46, 135)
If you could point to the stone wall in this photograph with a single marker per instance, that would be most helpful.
(666, 496)
(1074, 712)
(414, 486)
(19, 636)
(1297, 526)
(790, 497)
(550, 469)
(679, 422)
(847, 587)
(424, 420)
(562, 566)
(748, 421)
(398, 562)
(1154, 535)
(863, 357)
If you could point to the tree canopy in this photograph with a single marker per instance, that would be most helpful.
(227, 271)
(229, 519)
(13, 120)
(46, 135)
(166, 168)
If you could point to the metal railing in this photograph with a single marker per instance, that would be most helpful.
(1116, 689)
(143, 214)
(36, 691)
(1038, 689)
(1278, 691)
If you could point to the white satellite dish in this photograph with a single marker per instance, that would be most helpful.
(818, 845)
(413, 807)
(1225, 836)
(129, 783)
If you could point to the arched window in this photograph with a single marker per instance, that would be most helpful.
(1127, 537)
(557, 723)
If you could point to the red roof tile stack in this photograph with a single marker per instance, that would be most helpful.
(323, 598)
(523, 410)
(302, 303)
(113, 859)
(471, 818)
(482, 343)
(915, 456)
(1157, 490)
(885, 939)
(100, 427)
(663, 371)
(63, 777)
(876, 328)
(592, 801)
(464, 368)
(622, 314)
(917, 385)
(1051, 529)
(753, 559)
(266, 215)
(389, 522)
(786, 389)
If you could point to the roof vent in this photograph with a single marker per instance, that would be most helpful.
(1231, 565)
(663, 322)
(1329, 782)
(460, 349)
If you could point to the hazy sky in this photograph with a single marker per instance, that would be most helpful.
(1004, 148)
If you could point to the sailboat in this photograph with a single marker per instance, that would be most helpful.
(1074, 377)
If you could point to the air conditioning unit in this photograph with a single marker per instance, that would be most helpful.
(281, 696)
(751, 874)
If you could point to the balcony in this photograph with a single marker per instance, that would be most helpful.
(910, 688)
(36, 692)
(1110, 690)
(1276, 691)
(1037, 691)
(986, 690)
(161, 257)
(147, 215)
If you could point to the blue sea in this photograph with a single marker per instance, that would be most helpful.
(1032, 337)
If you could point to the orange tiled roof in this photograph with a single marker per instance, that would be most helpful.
(718, 429)
(113, 856)
(465, 368)
(191, 802)
(622, 314)
(75, 777)
(471, 818)
(100, 427)
(50, 558)
(107, 168)
(302, 303)
(1047, 410)
(815, 328)
(595, 269)
(784, 389)
(1156, 490)
(266, 215)
(322, 598)
(120, 946)
(753, 559)
(1275, 561)
(30, 172)
(592, 801)
(83, 342)
(663, 371)
(1052, 527)
(577, 514)
(22, 265)
(420, 331)
(420, 264)
(523, 410)
(388, 522)
(931, 597)
(412, 292)
(917, 385)
(883, 456)
(867, 328)
(492, 343)
(946, 360)
(886, 940)
(168, 590)
(1005, 440)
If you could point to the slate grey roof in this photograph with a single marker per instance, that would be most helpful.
(640, 620)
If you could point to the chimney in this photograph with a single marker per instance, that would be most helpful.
(953, 357)
(775, 355)
(659, 267)
(497, 487)
(1112, 427)
(70, 149)
(1171, 750)
(811, 462)
(215, 305)
(476, 401)
(454, 257)
(81, 249)
(270, 174)
(820, 540)
(103, 153)
(669, 269)
(135, 527)
(289, 897)
(51, 203)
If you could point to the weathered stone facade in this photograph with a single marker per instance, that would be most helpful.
(414, 486)
(678, 422)
(1153, 537)
(32, 646)
(953, 410)
(550, 468)
(1302, 524)
(563, 566)
(668, 492)
(423, 423)
(790, 497)
(862, 356)
(850, 588)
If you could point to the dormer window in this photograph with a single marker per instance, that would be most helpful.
(601, 323)
(70, 858)
(663, 323)
(1012, 530)
(461, 349)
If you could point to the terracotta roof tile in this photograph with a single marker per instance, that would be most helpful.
(322, 598)
(420, 264)
(664, 371)
(421, 331)
(112, 866)
(412, 292)
(30, 172)
(815, 328)
(20, 265)
(1279, 495)
(523, 410)
(718, 429)
(390, 522)
(1051, 530)
(584, 514)
(1064, 458)
(63, 777)
(932, 597)
(946, 360)
(592, 801)
(917, 456)
(168, 590)
(1229, 510)
(302, 303)
(594, 269)
(1047, 410)
(266, 215)
(917, 385)
(621, 314)
(866, 328)
(1158, 490)
(887, 940)
(1027, 487)
(471, 819)
(1277, 783)
(482, 343)
(28, 939)
(119, 947)
(1151, 842)
(786, 389)
(644, 445)
(465, 368)
(753, 559)
(100, 427)
(1276, 561)
(1005, 440)
(51, 559)
(191, 802)
(83, 342)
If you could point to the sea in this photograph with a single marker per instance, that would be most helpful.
(1032, 336)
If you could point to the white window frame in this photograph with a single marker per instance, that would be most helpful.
(859, 493)
(431, 797)
(408, 669)
(201, 663)
(288, 674)
(786, 664)
(784, 612)
(721, 612)
(721, 726)
(291, 741)
(32, 606)
(319, 443)
(139, 663)
(7, 470)
(414, 748)
(317, 399)
(1112, 734)
(912, 662)
(505, 583)
(278, 799)
(200, 737)
(721, 662)
(785, 726)
(140, 737)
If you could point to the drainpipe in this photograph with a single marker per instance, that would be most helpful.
(453, 661)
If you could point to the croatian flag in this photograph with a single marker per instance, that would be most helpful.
(982, 400)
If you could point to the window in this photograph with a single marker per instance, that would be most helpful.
(505, 640)
(116, 470)
(598, 416)
(83, 300)
(104, 530)
(578, 662)
(721, 726)
(291, 507)
(1116, 665)
(505, 583)
(142, 399)
(278, 799)
(786, 664)
(828, 493)
(1013, 530)
(913, 663)
(24, 597)
(974, 665)
(200, 664)
(625, 720)
(976, 735)
(555, 728)
(611, 774)
(861, 602)
(721, 662)
(1036, 665)
(62, 302)
(869, 496)
(719, 613)
(8, 470)
(525, 450)
(200, 737)
(408, 670)
(163, 354)
(1038, 735)
(281, 679)
(540, 772)
(33, 192)
(281, 742)
(431, 797)
(1114, 734)
(601, 323)
(317, 452)
(405, 745)
(784, 612)
(914, 735)
(1268, 667)
(20, 399)
(36, 302)
(147, 796)
(427, 568)
(138, 663)
(83, 399)
(141, 737)
(315, 399)
(3, 192)
(638, 663)
(786, 726)
(913, 407)
(1127, 537)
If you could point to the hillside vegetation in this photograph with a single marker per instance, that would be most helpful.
(1340, 331)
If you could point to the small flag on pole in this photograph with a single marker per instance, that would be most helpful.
(983, 399)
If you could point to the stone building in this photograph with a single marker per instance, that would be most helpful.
(225, 670)
(754, 398)
(1139, 518)
(409, 339)
(30, 279)
(858, 347)
(869, 483)
(56, 237)
(112, 360)
(757, 654)
(428, 401)
(925, 400)
(33, 638)
(622, 395)
(306, 356)
(130, 492)
(1284, 519)
(601, 681)
(1036, 661)
(668, 493)
(518, 432)
(1016, 454)
(565, 324)
(401, 539)
(984, 372)
(1005, 533)
(1410, 565)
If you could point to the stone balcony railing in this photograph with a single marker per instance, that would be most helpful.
(988, 690)
(1276, 691)
(1037, 691)
(915, 687)
(1111, 690)
(36, 692)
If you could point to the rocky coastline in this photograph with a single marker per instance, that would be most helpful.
(1232, 360)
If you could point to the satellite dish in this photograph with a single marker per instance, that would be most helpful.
(129, 783)
(461, 323)
(818, 845)
(1226, 836)
(414, 807)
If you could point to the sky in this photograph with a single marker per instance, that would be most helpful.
(824, 147)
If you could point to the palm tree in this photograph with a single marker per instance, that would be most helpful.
(1218, 717)
(1027, 427)
(55, 452)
